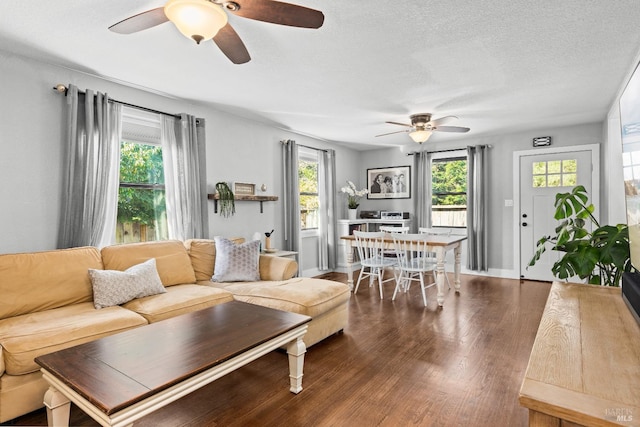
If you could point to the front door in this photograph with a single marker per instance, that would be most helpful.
(542, 176)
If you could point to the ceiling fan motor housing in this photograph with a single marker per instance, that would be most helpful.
(420, 119)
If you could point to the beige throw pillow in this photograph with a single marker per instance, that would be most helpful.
(113, 287)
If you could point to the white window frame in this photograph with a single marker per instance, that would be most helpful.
(309, 155)
(445, 155)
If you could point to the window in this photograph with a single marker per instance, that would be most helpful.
(142, 212)
(308, 181)
(631, 170)
(449, 192)
(555, 173)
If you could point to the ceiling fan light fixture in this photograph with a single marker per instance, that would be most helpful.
(420, 136)
(196, 19)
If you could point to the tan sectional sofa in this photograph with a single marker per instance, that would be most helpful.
(46, 303)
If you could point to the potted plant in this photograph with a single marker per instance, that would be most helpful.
(353, 197)
(226, 199)
(599, 256)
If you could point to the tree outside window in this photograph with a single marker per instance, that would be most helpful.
(449, 192)
(142, 212)
(309, 199)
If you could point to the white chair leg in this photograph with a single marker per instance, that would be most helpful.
(446, 276)
(380, 274)
(398, 283)
(359, 278)
(424, 294)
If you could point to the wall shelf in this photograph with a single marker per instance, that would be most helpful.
(243, 198)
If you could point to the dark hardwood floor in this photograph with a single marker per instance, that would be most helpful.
(397, 364)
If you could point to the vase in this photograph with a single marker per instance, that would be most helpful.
(353, 214)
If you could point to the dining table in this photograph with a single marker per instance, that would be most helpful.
(440, 244)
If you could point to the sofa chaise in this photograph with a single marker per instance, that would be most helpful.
(46, 303)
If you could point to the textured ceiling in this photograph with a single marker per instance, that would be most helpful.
(500, 66)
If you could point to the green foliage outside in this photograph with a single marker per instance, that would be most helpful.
(308, 180)
(141, 164)
(449, 177)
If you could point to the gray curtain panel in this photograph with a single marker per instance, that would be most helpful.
(291, 196)
(477, 193)
(327, 193)
(183, 152)
(91, 170)
(422, 190)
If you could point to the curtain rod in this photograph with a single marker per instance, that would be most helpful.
(60, 88)
(304, 146)
(449, 150)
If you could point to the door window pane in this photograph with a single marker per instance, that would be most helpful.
(555, 173)
(539, 181)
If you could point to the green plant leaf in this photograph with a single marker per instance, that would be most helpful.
(613, 243)
(600, 256)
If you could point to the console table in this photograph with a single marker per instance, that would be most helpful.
(584, 367)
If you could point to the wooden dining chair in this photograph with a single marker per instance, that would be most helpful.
(413, 262)
(370, 247)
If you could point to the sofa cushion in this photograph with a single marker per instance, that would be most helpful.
(26, 337)
(179, 299)
(37, 281)
(301, 295)
(113, 287)
(203, 256)
(172, 260)
(236, 262)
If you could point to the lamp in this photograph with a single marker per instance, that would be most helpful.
(420, 135)
(196, 19)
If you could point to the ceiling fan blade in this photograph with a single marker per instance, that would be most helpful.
(141, 21)
(281, 13)
(443, 120)
(231, 45)
(458, 129)
(399, 124)
(391, 133)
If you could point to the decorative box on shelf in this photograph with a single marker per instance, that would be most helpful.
(244, 189)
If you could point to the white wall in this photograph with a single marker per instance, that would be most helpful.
(501, 226)
(31, 135)
(31, 141)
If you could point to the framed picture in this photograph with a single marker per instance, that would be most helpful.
(389, 183)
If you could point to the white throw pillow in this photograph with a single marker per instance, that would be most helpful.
(113, 287)
(236, 262)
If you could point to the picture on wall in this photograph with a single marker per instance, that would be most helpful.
(389, 183)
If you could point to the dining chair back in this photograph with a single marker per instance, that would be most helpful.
(413, 261)
(370, 247)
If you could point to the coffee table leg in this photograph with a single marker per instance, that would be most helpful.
(58, 407)
(296, 350)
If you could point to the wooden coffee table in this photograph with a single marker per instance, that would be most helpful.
(123, 377)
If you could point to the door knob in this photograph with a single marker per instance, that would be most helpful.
(524, 215)
(524, 224)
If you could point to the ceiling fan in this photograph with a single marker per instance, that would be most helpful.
(207, 19)
(422, 127)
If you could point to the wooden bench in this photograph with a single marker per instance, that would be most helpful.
(584, 367)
